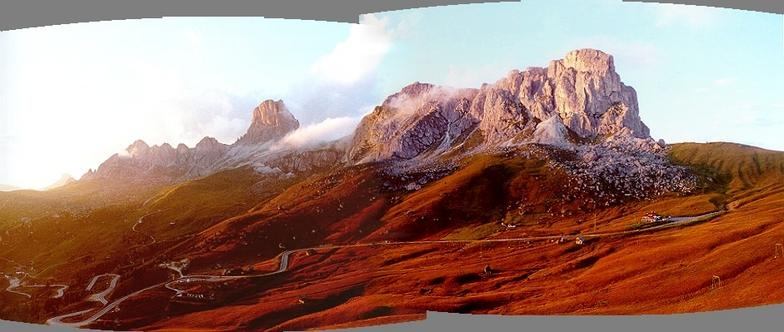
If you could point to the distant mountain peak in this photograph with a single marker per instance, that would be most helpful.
(64, 179)
(271, 121)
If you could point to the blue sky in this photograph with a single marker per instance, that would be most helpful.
(73, 95)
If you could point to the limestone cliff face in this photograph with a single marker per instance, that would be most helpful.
(419, 117)
(271, 121)
(582, 91)
(590, 96)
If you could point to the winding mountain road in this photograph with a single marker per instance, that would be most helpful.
(284, 264)
(15, 282)
(60, 291)
(101, 297)
(137, 224)
(57, 321)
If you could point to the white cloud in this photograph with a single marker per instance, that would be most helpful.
(324, 131)
(691, 16)
(345, 83)
(359, 55)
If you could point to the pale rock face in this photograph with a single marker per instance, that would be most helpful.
(305, 161)
(551, 131)
(271, 121)
(590, 96)
(64, 179)
(209, 150)
(143, 161)
(418, 118)
(582, 91)
(502, 117)
(183, 154)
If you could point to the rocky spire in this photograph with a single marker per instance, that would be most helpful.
(590, 96)
(271, 121)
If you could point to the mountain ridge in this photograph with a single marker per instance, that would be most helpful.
(575, 100)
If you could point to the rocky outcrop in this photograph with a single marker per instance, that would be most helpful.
(271, 121)
(161, 163)
(590, 96)
(577, 98)
(624, 167)
(418, 118)
(551, 131)
(303, 161)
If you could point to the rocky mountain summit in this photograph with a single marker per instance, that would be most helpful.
(577, 98)
(271, 121)
(576, 112)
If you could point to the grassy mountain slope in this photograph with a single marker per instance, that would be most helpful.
(239, 217)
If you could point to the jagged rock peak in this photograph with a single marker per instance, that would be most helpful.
(577, 98)
(589, 60)
(590, 97)
(208, 142)
(272, 113)
(138, 147)
(271, 121)
(412, 90)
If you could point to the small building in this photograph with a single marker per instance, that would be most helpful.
(199, 292)
(651, 217)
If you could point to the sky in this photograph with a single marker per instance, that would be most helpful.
(73, 95)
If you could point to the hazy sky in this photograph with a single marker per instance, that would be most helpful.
(73, 95)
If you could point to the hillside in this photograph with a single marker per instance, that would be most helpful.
(607, 275)
(731, 168)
